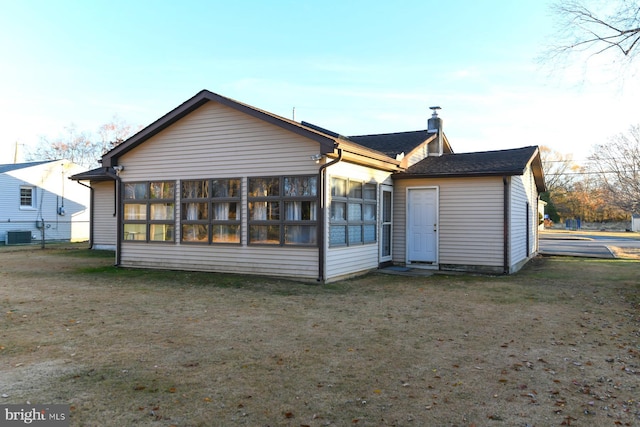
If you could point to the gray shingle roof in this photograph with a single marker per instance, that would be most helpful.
(393, 144)
(16, 166)
(484, 163)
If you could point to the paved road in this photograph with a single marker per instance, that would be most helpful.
(585, 245)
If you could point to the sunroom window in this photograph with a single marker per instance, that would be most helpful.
(283, 210)
(149, 211)
(210, 211)
(352, 218)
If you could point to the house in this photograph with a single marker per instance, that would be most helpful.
(38, 201)
(635, 222)
(218, 185)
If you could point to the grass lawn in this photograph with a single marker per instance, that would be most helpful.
(556, 344)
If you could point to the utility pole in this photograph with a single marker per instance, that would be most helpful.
(17, 153)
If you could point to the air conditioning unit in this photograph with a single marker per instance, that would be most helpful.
(17, 237)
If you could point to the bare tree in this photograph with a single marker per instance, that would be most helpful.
(75, 146)
(83, 148)
(617, 164)
(115, 132)
(559, 169)
(582, 28)
(559, 175)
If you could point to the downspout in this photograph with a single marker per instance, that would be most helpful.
(505, 224)
(322, 216)
(537, 233)
(117, 212)
(528, 252)
(90, 213)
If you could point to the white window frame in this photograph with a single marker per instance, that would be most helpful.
(384, 224)
(33, 197)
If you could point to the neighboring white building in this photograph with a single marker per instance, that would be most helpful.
(635, 222)
(39, 197)
(218, 185)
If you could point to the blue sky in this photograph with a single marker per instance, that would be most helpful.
(355, 67)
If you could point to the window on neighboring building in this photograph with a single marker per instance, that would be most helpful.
(353, 212)
(211, 211)
(27, 197)
(149, 211)
(283, 210)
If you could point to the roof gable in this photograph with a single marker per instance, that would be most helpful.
(327, 142)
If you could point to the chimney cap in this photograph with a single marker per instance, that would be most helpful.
(435, 110)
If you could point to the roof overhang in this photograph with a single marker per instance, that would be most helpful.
(538, 173)
(454, 175)
(99, 174)
(533, 161)
(539, 179)
(355, 153)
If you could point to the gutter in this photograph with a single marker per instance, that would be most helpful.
(322, 216)
(505, 224)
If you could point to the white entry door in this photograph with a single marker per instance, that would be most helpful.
(422, 225)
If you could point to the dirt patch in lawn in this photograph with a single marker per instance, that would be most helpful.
(556, 344)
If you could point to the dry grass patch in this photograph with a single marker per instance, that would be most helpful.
(625, 253)
(557, 344)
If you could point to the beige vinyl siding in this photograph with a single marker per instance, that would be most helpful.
(517, 221)
(219, 142)
(348, 261)
(523, 191)
(345, 261)
(470, 220)
(533, 200)
(417, 154)
(420, 153)
(276, 261)
(104, 222)
(399, 220)
(352, 171)
(534, 197)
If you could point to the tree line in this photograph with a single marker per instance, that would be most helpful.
(604, 187)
